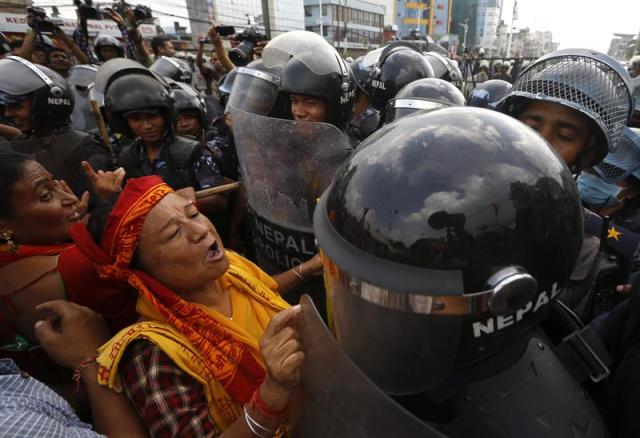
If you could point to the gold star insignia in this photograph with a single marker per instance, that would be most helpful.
(614, 234)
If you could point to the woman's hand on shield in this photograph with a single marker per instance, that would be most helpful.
(281, 349)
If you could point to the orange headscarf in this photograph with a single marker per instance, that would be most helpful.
(228, 359)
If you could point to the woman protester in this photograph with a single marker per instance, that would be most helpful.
(216, 351)
(37, 261)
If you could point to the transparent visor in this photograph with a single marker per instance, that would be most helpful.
(18, 78)
(308, 47)
(82, 75)
(254, 91)
(625, 160)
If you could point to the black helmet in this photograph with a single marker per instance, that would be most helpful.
(444, 238)
(587, 81)
(398, 65)
(187, 100)
(489, 93)
(103, 40)
(52, 103)
(115, 68)
(312, 67)
(174, 68)
(137, 92)
(423, 95)
(362, 74)
(444, 68)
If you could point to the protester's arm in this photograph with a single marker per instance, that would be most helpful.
(129, 46)
(142, 54)
(81, 39)
(68, 325)
(293, 277)
(218, 45)
(28, 45)
(202, 66)
(59, 34)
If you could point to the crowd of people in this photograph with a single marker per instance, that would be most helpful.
(314, 246)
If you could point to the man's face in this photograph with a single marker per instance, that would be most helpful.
(308, 108)
(215, 62)
(167, 49)
(564, 128)
(187, 124)
(108, 52)
(148, 126)
(59, 61)
(38, 57)
(20, 115)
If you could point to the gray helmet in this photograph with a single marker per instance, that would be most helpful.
(443, 68)
(625, 160)
(587, 81)
(174, 68)
(187, 100)
(103, 40)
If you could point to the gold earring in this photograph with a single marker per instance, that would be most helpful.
(10, 244)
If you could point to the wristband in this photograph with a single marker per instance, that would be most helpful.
(77, 374)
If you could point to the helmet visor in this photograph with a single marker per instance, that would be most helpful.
(254, 91)
(82, 75)
(18, 79)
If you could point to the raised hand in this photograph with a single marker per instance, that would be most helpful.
(105, 184)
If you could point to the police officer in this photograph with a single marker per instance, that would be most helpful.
(423, 95)
(438, 280)
(579, 100)
(398, 64)
(38, 102)
(488, 93)
(444, 68)
(190, 113)
(141, 106)
(366, 119)
(108, 47)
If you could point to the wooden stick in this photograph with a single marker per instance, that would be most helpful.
(217, 190)
(95, 109)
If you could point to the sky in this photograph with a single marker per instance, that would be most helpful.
(578, 23)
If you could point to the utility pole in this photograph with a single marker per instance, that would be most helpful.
(465, 26)
(266, 18)
(513, 17)
(321, 19)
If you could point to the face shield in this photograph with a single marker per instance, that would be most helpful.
(254, 91)
(20, 77)
(114, 67)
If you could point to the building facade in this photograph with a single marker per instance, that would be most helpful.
(487, 21)
(422, 17)
(622, 45)
(352, 26)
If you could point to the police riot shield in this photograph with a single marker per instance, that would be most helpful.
(336, 399)
(79, 80)
(285, 166)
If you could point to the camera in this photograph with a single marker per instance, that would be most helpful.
(41, 23)
(86, 10)
(243, 53)
(142, 13)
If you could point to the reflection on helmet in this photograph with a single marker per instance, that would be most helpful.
(442, 268)
(423, 95)
(489, 93)
(585, 80)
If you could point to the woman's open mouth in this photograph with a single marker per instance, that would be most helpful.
(215, 253)
(74, 216)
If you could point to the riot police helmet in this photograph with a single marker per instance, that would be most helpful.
(51, 101)
(225, 85)
(362, 75)
(397, 66)
(174, 68)
(587, 81)
(115, 68)
(489, 93)
(187, 100)
(104, 40)
(137, 92)
(312, 67)
(624, 161)
(444, 68)
(441, 268)
(428, 94)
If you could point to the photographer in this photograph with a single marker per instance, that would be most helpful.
(162, 46)
(221, 63)
(56, 58)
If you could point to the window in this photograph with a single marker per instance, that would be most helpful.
(307, 11)
(324, 10)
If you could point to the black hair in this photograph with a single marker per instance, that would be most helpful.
(158, 42)
(99, 217)
(15, 44)
(11, 171)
